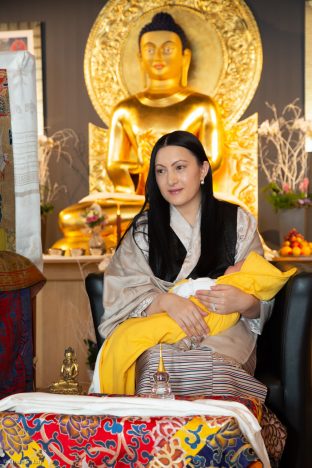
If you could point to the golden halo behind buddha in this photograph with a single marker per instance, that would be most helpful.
(225, 42)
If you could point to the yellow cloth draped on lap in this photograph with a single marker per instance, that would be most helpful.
(131, 338)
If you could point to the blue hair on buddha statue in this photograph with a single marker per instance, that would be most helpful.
(164, 22)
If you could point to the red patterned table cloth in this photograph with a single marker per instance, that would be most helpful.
(56, 440)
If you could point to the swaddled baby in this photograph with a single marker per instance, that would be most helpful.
(187, 288)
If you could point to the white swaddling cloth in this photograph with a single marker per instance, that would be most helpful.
(187, 288)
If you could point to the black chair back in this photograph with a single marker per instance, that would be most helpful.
(284, 364)
(94, 287)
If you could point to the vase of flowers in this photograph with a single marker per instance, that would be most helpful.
(95, 221)
(284, 161)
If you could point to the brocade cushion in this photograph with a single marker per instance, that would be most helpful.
(20, 281)
(18, 272)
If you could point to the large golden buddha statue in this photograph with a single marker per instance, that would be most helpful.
(166, 103)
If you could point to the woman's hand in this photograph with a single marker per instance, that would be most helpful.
(188, 315)
(225, 299)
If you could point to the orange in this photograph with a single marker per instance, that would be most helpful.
(306, 250)
(285, 251)
(296, 251)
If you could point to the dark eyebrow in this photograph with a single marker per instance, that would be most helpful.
(179, 161)
(169, 42)
(173, 164)
(149, 44)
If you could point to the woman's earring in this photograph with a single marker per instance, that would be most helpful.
(202, 182)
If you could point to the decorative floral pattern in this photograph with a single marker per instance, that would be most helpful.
(13, 439)
(274, 434)
(49, 440)
(79, 428)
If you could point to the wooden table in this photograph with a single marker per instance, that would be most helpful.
(293, 259)
(63, 316)
(304, 263)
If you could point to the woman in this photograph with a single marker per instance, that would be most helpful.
(182, 232)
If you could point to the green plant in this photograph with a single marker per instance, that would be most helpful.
(46, 208)
(92, 353)
(282, 200)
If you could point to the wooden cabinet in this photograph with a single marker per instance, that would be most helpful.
(63, 317)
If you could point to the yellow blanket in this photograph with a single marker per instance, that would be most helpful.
(130, 339)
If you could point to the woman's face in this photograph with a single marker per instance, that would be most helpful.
(178, 176)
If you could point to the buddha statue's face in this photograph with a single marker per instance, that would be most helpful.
(162, 55)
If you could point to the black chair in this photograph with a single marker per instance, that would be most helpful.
(94, 286)
(284, 364)
(284, 359)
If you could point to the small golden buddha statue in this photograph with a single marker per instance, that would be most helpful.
(166, 104)
(68, 383)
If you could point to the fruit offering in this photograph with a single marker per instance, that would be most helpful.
(295, 244)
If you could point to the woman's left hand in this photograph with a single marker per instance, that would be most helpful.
(225, 299)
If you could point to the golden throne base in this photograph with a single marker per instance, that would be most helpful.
(72, 223)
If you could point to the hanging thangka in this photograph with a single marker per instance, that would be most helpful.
(7, 198)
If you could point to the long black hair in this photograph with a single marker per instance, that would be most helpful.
(161, 239)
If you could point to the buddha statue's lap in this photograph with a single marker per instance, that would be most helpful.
(137, 122)
(142, 120)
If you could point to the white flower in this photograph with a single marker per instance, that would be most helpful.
(300, 124)
(282, 155)
(264, 128)
(269, 128)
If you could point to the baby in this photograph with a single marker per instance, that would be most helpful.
(187, 288)
(217, 323)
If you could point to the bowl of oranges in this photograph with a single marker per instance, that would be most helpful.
(295, 245)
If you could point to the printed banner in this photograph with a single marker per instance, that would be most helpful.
(7, 196)
(20, 138)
